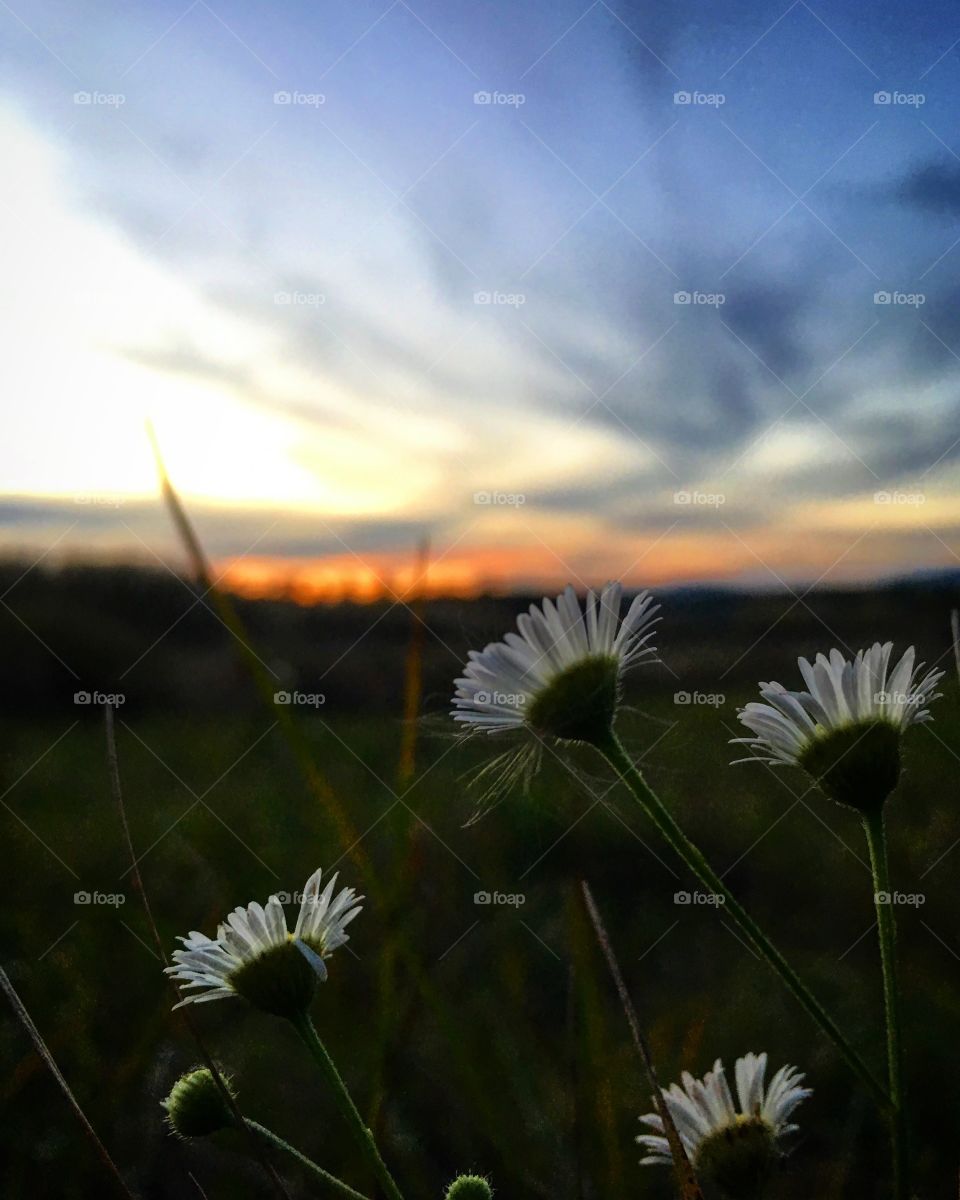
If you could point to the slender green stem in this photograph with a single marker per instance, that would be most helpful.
(335, 1184)
(886, 926)
(612, 749)
(364, 1137)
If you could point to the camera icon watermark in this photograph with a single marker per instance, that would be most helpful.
(700, 99)
(300, 99)
(500, 99)
(700, 699)
(911, 499)
(501, 299)
(904, 899)
(900, 99)
(501, 699)
(300, 699)
(702, 499)
(701, 299)
(99, 499)
(700, 899)
(100, 99)
(100, 899)
(900, 699)
(296, 898)
(506, 899)
(500, 499)
(303, 299)
(900, 299)
(114, 699)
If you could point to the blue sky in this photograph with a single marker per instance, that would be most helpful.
(441, 288)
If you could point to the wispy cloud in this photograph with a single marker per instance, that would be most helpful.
(367, 266)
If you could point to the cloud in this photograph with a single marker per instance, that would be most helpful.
(932, 187)
(396, 395)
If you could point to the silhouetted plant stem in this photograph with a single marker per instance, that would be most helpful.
(612, 750)
(685, 1176)
(348, 1109)
(184, 1014)
(873, 825)
(41, 1047)
(332, 1182)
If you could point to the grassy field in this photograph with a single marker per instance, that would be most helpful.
(477, 1036)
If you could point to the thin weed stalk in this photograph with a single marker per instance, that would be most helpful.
(394, 1016)
(43, 1050)
(350, 840)
(598, 1128)
(184, 1014)
(413, 669)
(686, 1178)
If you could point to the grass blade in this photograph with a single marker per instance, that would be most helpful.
(600, 1142)
(113, 764)
(41, 1047)
(413, 674)
(686, 1179)
(349, 838)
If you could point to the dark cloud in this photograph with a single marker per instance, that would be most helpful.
(767, 316)
(932, 187)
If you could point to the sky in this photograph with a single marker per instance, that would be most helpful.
(574, 290)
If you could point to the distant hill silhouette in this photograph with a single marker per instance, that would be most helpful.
(151, 636)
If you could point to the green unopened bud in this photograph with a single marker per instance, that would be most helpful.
(580, 703)
(740, 1159)
(469, 1187)
(856, 765)
(196, 1107)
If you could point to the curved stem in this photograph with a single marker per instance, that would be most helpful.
(361, 1133)
(335, 1184)
(886, 928)
(613, 751)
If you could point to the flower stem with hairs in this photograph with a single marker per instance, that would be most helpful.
(873, 825)
(344, 1101)
(332, 1182)
(610, 746)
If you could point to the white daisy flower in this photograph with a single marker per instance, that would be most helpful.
(735, 1146)
(845, 729)
(560, 673)
(255, 956)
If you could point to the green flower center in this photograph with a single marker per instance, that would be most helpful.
(579, 704)
(857, 765)
(740, 1158)
(281, 980)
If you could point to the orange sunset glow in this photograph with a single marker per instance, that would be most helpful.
(670, 559)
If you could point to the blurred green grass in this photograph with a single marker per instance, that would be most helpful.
(508, 1053)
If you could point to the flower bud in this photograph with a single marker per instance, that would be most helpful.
(469, 1187)
(196, 1107)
